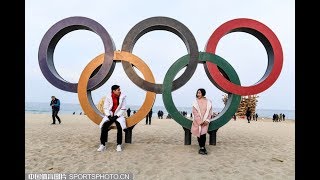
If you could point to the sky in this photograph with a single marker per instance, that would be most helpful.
(160, 49)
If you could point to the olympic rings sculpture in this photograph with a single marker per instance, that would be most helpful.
(218, 70)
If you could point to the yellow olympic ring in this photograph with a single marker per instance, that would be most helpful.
(90, 109)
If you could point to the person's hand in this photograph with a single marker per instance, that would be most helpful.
(204, 123)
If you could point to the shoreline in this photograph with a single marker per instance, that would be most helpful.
(154, 115)
(39, 108)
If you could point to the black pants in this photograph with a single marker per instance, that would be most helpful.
(54, 116)
(148, 119)
(202, 140)
(248, 118)
(104, 131)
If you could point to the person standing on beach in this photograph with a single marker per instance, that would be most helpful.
(148, 117)
(114, 108)
(202, 111)
(248, 114)
(55, 106)
(128, 112)
(161, 114)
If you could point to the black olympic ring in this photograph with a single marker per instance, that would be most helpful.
(161, 23)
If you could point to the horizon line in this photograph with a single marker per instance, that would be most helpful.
(177, 106)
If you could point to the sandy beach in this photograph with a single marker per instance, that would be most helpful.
(258, 150)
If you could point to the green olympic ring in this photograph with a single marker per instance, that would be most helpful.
(233, 100)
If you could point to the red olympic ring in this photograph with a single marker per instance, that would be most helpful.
(266, 37)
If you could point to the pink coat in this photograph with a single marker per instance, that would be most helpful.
(196, 128)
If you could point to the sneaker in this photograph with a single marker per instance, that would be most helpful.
(205, 151)
(201, 151)
(119, 148)
(101, 148)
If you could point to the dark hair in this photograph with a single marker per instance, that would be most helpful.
(203, 92)
(114, 87)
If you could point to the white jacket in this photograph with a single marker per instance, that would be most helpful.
(121, 109)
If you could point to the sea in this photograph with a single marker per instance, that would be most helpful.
(68, 108)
